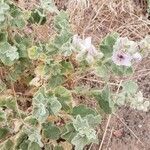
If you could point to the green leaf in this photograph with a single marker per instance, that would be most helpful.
(34, 134)
(8, 54)
(65, 97)
(121, 99)
(83, 111)
(37, 16)
(61, 21)
(54, 106)
(102, 71)
(3, 133)
(40, 112)
(62, 41)
(44, 105)
(66, 48)
(106, 45)
(2, 86)
(34, 146)
(15, 11)
(24, 145)
(3, 10)
(80, 141)
(129, 71)
(92, 120)
(4, 6)
(39, 105)
(51, 131)
(52, 68)
(2, 17)
(86, 134)
(18, 22)
(22, 43)
(69, 132)
(130, 87)
(3, 36)
(58, 148)
(104, 101)
(67, 67)
(21, 141)
(55, 81)
(33, 52)
(118, 70)
(8, 102)
(80, 123)
(2, 116)
(8, 145)
(31, 120)
(40, 96)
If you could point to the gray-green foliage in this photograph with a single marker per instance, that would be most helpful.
(130, 95)
(4, 7)
(104, 100)
(85, 131)
(47, 74)
(44, 105)
(8, 54)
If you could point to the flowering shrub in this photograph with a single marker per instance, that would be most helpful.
(50, 70)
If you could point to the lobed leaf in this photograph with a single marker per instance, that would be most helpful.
(51, 131)
(106, 45)
(104, 101)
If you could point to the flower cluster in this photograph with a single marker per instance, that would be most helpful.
(88, 50)
(125, 51)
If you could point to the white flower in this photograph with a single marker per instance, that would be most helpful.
(121, 58)
(137, 56)
(140, 97)
(76, 41)
(88, 50)
(89, 47)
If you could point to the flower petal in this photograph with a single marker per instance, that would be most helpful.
(124, 60)
(137, 56)
(77, 40)
(92, 51)
(87, 42)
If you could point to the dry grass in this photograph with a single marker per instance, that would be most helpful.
(100, 17)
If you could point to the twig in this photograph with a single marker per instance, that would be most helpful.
(104, 135)
(98, 81)
(110, 137)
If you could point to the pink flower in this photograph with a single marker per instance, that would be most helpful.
(121, 58)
